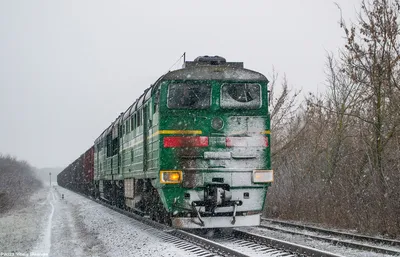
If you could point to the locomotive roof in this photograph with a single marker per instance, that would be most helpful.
(215, 72)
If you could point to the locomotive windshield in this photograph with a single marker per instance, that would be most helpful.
(189, 96)
(241, 96)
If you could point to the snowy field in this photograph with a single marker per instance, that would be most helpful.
(76, 226)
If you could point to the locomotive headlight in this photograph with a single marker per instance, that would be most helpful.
(170, 176)
(263, 176)
(217, 123)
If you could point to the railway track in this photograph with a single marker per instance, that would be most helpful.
(257, 245)
(336, 237)
(238, 243)
(247, 244)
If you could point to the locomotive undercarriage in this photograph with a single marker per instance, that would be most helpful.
(110, 191)
(145, 199)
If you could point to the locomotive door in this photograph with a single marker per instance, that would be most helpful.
(145, 137)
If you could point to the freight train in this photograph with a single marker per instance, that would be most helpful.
(192, 151)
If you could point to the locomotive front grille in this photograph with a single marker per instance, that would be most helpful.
(192, 178)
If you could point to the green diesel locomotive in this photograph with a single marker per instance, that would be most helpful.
(193, 150)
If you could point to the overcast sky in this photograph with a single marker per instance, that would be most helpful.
(68, 68)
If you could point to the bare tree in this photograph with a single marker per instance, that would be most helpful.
(283, 109)
(371, 60)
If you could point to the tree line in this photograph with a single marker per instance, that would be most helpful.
(337, 155)
(17, 183)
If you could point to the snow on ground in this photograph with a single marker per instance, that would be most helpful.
(76, 226)
(20, 229)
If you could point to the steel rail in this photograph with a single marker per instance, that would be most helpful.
(336, 233)
(292, 248)
(354, 245)
(206, 243)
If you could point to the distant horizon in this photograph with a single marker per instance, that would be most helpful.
(43, 174)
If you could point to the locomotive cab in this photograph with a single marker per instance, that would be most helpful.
(214, 139)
